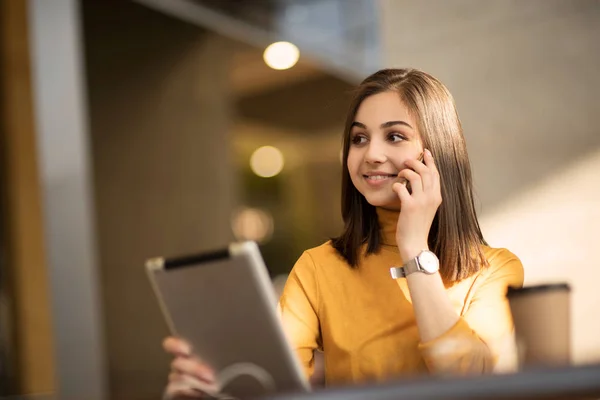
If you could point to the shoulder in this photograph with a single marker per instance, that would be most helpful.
(324, 252)
(304, 279)
(317, 257)
(503, 265)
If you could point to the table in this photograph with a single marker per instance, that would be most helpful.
(577, 382)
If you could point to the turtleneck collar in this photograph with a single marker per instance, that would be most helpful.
(388, 220)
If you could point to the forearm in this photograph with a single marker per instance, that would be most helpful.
(433, 310)
(447, 345)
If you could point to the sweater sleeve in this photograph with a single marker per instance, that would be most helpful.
(483, 335)
(298, 309)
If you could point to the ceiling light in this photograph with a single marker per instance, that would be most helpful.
(281, 55)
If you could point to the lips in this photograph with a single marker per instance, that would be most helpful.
(379, 175)
(378, 178)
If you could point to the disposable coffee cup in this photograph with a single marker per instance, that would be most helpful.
(541, 316)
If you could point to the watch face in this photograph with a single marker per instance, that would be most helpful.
(429, 262)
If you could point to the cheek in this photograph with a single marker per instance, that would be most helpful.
(398, 159)
(353, 165)
(398, 162)
(352, 162)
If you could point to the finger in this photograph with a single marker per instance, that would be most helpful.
(193, 367)
(185, 385)
(180, 391)
(200, 386)
(414, 178)
(175, 377)
(430, 162)
(177, 347)
(401, 191)
(423, 170)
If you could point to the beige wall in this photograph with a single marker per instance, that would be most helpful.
(554, 228)
(163, 177)
(525, 78)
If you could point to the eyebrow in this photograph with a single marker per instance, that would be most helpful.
(384, 125)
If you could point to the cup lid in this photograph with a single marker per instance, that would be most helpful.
(513, 291)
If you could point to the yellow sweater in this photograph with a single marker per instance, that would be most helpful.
(364, 322)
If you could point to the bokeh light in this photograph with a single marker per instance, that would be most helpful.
(267, 161)
(252, 224)
(281, 55)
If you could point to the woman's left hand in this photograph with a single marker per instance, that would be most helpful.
(418, 208)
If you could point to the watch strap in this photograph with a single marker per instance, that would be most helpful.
(411, 266)
(407, 269)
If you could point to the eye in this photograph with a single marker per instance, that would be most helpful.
(359, 139)
(395, 137)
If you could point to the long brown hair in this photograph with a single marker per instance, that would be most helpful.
(455, 236)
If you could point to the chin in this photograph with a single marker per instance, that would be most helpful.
(390, 204)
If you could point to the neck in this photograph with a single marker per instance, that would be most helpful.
(388, 221)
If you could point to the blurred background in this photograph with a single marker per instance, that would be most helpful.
(131, 129)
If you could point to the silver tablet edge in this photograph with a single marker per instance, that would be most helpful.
(250, 250)
(153, 266)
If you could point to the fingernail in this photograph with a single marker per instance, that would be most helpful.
(429, 152)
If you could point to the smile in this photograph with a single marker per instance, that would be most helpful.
(379, 180)
(378, 177)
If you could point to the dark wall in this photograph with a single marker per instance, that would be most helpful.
(159, 114)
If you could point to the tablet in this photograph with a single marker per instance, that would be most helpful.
(224, 305)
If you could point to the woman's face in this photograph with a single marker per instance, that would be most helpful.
(383, 136)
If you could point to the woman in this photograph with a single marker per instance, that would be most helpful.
(401, 215)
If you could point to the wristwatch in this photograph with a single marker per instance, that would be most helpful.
(426, 262)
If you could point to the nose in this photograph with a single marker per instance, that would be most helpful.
(375, 153)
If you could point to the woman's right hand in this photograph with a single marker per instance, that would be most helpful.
(189, 377)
